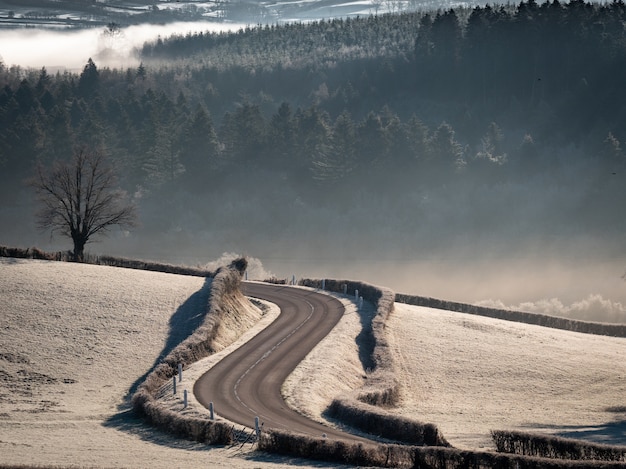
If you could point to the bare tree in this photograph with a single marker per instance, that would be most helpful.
(80, 199)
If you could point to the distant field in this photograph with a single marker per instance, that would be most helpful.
(75, 338)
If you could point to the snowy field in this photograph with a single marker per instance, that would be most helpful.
(74, 339)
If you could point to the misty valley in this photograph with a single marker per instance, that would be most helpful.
(471, 135)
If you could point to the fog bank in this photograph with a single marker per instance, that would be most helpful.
(70, 50)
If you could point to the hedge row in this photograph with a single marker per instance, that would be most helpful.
(549, 446)
(614, 330)
(151, 266)
(199, 345)
(361, 409)
(384, 424)
(66, 256)
(322, 449)
(418, 457)
(198, 429)
(31, 253)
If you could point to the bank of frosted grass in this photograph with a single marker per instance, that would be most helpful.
(365, 408)
(225, 293)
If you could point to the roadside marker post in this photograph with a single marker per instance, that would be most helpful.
(257, 429)
(180, 372)
(185, 399)
(211, 416)
(323, 284)
(360, 302)
(174, 383)
(356, 295)
(345, 288)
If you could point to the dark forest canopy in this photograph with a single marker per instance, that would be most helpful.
(495, 95)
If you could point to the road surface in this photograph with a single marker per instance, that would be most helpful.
(247, 383)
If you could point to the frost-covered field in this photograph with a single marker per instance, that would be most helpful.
(470, 374)
(75, 338)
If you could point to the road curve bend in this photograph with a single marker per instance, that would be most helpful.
(247, 383)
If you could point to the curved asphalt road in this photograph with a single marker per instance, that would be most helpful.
(247, 382)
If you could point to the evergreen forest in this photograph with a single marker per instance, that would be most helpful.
(416, 131)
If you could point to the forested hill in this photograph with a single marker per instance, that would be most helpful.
(359, 110)
(494, 62)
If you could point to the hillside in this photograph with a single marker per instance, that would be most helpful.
(76, 338)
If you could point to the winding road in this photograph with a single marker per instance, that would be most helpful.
(247, 383)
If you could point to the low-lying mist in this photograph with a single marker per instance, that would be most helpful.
(23, 47)
(544, 254)
(576, 278)
(566, 283)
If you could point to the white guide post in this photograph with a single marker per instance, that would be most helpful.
(185, 399)
(257, 429)
(323, 284)
(174, 383)
(180, 372)
(211, 416)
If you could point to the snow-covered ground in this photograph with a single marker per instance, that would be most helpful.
(75, 338)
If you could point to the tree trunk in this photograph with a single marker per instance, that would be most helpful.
(79, 249)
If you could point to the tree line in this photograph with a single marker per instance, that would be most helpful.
(155, 140)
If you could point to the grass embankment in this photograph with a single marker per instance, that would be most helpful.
(225, 299)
